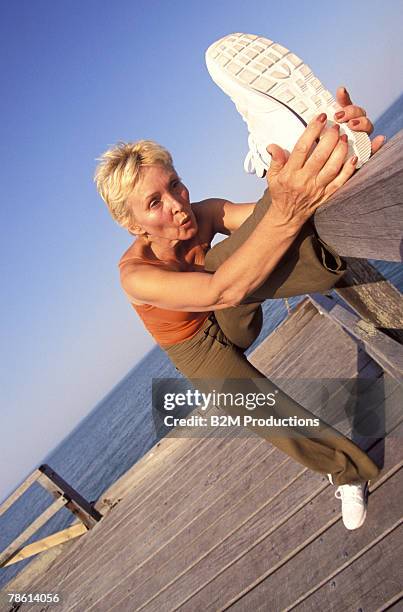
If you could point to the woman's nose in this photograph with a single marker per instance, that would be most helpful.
(177, 206)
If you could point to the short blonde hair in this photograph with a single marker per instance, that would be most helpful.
(119, 170)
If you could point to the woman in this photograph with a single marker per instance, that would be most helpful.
(202, 305)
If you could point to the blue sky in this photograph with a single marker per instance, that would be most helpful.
(79, 76)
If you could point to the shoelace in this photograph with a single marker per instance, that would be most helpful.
(254, 163)
(351, 492)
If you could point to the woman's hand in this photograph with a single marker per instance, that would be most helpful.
(301, 182)
(356, 118)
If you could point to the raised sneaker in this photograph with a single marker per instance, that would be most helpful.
(353, 504)
(276, 93)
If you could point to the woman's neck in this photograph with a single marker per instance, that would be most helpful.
(167, 250)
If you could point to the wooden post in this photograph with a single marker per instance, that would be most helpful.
(64, 495)
(365, 217)
(373, 297)
(56, 485)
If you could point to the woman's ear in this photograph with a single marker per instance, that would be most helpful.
(135, 230)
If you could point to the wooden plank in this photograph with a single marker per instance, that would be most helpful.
(191, 533)
(55, 484)
(282, 508)
(164, 519)
(19, 491)
(368, 583)
(131, 507)
(31, 529)
(386, 351)
(237, 528)
(167, 450)
(365, 217)
(295, 553)
(288, 330)
(372, 297)
(394, 605)
(335, 546)
(131, 516)
(145, 535)
(46, 543)
(318, 355)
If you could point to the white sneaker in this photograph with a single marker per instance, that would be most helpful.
(353, 504)
(276, 94)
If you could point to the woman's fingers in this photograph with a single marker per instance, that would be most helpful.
(361, 124)
(346, 173)
(304, 144)
(278, 160)
(343, 97)
(322, 151)
(377, 143)
(348, 113)
(335, 162)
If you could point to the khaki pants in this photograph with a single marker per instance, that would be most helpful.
(215, 352)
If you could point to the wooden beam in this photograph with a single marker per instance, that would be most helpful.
(79, 506)
(19, 491)
(31, 529)
(373, 297)
(365, 217)
(46, 543)
(384, 350)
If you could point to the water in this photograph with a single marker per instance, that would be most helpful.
(120, 429)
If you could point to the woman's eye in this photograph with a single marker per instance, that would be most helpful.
(154, 203)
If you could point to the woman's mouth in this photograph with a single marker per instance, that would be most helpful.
(185, 222)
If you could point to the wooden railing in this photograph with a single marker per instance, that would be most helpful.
(365, 217)
(65, 497)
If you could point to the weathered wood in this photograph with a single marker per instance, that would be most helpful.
(160, 545)
(373, 297)
(248, 546)
(278, 571)
(165, 507)
(393, 605)
(386, 351)
(46, 543)
(365, 217)
(259, 525)
(56, 485)
(33, 527)
(208, 529)
(368, 582)
(237, 528)
(19, 491)
(140, 495)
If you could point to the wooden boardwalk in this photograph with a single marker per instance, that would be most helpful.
(229, 522)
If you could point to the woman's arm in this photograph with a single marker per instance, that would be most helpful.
(298, 186)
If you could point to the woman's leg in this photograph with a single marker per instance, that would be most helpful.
(210, 358)
(309, 266)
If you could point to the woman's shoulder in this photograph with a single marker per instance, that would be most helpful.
(205, 220)
(136, 253)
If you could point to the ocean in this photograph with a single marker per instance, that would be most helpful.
(120, 429)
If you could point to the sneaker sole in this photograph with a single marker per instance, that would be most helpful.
(272, 70)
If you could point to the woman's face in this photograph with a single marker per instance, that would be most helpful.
(161, 207)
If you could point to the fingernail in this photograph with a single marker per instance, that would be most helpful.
(336, 127)
(344, 138)
(354, 160)
(340, 114)
(355, 122)
(322, 117)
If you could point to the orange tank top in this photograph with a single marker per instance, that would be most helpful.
(167, 326)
